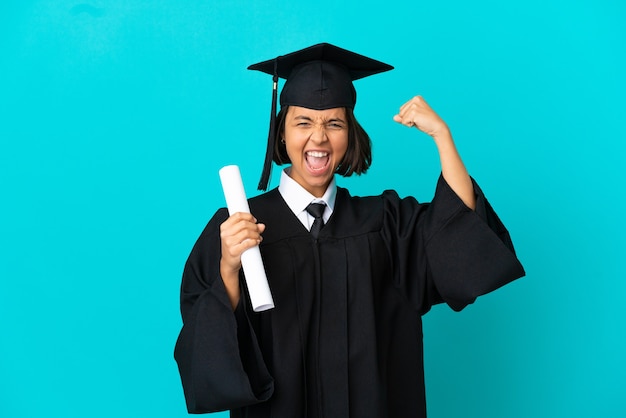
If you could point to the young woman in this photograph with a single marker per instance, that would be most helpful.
(350, 281)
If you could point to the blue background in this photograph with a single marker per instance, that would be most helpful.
(116, 115)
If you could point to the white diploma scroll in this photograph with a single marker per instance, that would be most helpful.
(251, 261)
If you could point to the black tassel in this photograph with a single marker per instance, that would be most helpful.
(271, 137)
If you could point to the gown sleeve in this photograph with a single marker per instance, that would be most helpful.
(446, 252)
(217, 352)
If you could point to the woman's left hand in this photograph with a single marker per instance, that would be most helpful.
(417, 113)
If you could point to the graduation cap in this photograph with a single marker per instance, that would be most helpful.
(318, 77)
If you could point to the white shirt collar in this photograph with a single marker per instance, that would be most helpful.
(297, 198)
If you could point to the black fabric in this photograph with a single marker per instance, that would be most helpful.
(345, 337)
(320, 76)
(316, 210)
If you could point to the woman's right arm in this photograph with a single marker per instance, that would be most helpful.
(219, 359)
(238, 233)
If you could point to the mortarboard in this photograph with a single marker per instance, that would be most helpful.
(318, 77)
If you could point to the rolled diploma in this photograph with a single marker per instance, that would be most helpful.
(251, 261)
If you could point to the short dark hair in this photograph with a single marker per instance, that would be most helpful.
(358, 157)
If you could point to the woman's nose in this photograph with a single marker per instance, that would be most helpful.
(319, 134)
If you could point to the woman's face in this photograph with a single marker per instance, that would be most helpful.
(316, 141)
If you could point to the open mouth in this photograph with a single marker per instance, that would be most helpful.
(317, 160)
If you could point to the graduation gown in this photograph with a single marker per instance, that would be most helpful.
(345, 336)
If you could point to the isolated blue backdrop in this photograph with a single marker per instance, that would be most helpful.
(116, 115)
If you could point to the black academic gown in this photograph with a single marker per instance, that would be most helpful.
(345, 337)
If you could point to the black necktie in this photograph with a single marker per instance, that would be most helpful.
(316, 210)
